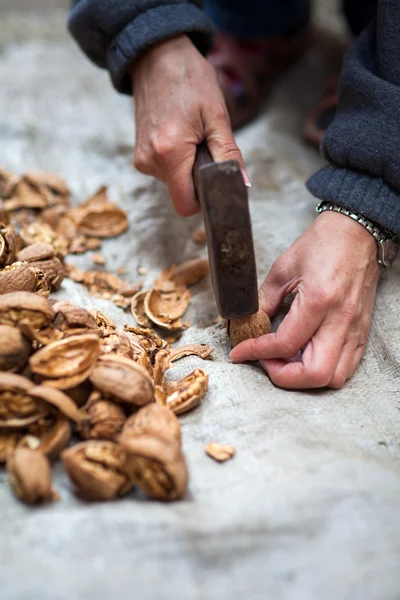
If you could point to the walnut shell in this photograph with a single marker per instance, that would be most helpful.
(99, 217)
(16, 306)
(122, 379)
(17, 277)
(153, 419)
(101, 419)
(252, 326)
(138, 310)
(157, 467)
(14, 349)
(68, 362)
(164, 307)
(201, 350)
(188, 392)
(116, 341)
(30, 476)
(69, 315)
(8, 181)
(18, 408)
(42, 256)
(7, 245)
(98, 468)
(56, 399)
(190, 272)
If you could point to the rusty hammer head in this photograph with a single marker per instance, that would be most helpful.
(224, 203)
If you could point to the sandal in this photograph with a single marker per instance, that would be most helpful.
(247, 68)
(322, 116)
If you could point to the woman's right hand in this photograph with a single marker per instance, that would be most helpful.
(178, 104)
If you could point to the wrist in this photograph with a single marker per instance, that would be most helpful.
(161, 52)
(338, 226)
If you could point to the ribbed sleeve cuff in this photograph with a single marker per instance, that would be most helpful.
(369, 196)
(151, 27)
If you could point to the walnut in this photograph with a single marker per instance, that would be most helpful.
(98, 468)
(156, 466)
(30, 476)
(101, 419)
(16, 306)
(122, 380)
(155, 420)
(244, 328)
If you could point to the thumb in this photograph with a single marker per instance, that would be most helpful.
(272, 292)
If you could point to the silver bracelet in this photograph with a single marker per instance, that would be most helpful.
(386, 240)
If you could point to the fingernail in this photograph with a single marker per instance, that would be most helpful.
(246, 179)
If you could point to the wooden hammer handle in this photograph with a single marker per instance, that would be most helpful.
(203, 157)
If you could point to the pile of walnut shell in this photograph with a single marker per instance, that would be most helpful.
(68, 373)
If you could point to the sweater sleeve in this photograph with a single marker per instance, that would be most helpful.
(114, 33)
(361, 145)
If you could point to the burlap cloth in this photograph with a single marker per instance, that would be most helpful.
(310, 506)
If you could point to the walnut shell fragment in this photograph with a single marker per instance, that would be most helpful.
(38, 232)
(116, 341)
(17, 277)
(42, 256)
(155, 420)
(99, 217)
(201, 350)
(30, 476)
(199, 236)
(102, 320)
(8, 181)
(98, 468)
(69, 316)
(147, 338)
(122, 380)
(156, 467)
(16, 306)
(220, 452)
(101, 419)
(18, 408)
(7, 244)
(14, 349)
(68, 362)
(244, 328)
(188, 392)
(161, 364)
(190, 272)
(138, 310)
(165, 307)
(56, 399)
(49, 179)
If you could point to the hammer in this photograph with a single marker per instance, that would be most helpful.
(224, 203)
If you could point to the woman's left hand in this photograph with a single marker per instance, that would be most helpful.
(332, 271)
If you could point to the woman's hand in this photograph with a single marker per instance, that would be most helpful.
(178, 104)
(333, 272)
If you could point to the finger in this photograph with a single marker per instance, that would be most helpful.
(179, 180)
(219, 137)
(275, 286)
(344, 369)
(296, 329)
(315, 370)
